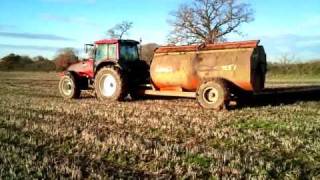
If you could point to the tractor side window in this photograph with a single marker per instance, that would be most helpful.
(102, 52)
(112, 51)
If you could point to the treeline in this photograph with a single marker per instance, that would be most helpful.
(311, 68)
(67, 56)
(14, 62)
(64, 58)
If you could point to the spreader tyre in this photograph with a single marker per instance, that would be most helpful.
(110, 84)
(213, 95)
(68, 87)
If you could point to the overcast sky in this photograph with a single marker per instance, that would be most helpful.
(40, 27)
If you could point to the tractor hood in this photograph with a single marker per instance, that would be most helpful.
(82, 68)
(75, 67)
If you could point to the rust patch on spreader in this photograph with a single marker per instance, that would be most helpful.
(218, 46)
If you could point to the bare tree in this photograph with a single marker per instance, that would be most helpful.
(148, 51)
(65, 57)
(119, 30)
(208, 20)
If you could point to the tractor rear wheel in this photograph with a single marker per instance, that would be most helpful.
(110, 84)
(213, 95)
(68, 87)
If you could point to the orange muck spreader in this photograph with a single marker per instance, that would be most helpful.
(214, 74)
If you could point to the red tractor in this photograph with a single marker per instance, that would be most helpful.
(107, 70)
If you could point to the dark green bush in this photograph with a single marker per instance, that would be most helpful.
(14, 62)
(311, 68)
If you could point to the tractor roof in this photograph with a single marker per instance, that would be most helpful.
(114, 41)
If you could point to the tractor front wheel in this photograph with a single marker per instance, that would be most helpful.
(68, 87)
(213, 95)
(110, 84)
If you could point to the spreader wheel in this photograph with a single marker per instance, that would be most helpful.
(213, 95)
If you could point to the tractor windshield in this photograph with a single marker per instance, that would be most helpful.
(129, 52)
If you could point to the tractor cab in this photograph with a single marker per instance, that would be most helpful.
(113, 50)
(121, 53)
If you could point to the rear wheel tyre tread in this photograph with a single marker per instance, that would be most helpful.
(222, 101)
(121, 87)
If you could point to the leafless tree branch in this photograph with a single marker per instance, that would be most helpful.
(119, 30)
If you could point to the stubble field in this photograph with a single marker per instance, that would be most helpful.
(44, 136)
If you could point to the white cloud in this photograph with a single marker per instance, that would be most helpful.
(301, 46)
(7, 27)
(74, 20)
(70, 1)
(51, 37)
(312, 22)
(300, 39)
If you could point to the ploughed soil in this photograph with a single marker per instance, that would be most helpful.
(271, 135)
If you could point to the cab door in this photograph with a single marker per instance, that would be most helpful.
(106, 52)
(136, 69)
